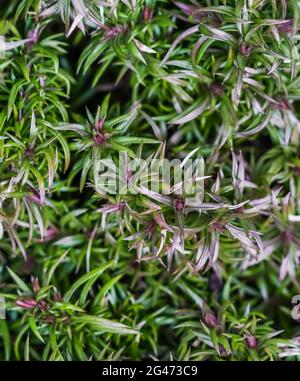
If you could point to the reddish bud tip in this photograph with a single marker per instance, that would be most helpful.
(282, 103)
(43, 305)
(57, 297)
(223, 352)
(113, 32)
(29, 152)
(27, 304)
(50, 234)
(218, 226)
(297, 170)
(245, 49)
(147, 14)
(49, 319)
(251, 341)
(33, 36)
(215, 282)
(99, 138)
(216, 89)
(210, 320)
(179, 203)
(286, 236)
(35, 284)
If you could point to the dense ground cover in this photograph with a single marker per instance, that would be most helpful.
(121, 276)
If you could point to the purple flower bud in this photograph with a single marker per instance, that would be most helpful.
(281, 103)
(297, 170)
(245, 49)
(27, 304)
(286, 236)
(222, 351)
(35, 284)
(147, 14)
(57, 297)
(35, 198)
(29, 266)
(216, 89)
(99, 138)
(50, 234)
(179, 203)
(43, 305)
(251, 341)
(241, 210)
(29, 151)
(218, 226)
(49, 319)
(210, 319)
(284, 104)
(33, 35)
(215, 282)
(113, 32)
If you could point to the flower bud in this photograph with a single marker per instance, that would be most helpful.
(112, 33)
(216, 89)
(147, 14)
(286, 236)
(35, 285)
(281, 103)
(223, 352)
(43, 305)
(210, 319)
(251, 341)
(99, 138)
(57, 297)
(33, 35)
(27, 304)
(179, 203)
(50, 234)
(49, 319)
(245, 49)
(215, 282)
(297, 170)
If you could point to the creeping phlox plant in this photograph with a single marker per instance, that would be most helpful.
(102, 256)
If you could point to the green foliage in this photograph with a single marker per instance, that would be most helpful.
(139, 276)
